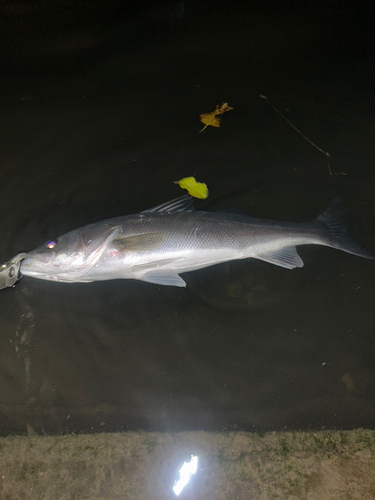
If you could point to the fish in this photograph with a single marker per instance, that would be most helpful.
(159, 244)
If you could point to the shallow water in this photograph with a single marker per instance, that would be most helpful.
(97, 121)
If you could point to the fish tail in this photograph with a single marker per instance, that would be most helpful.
(333, 220)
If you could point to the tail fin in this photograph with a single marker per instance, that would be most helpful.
(334, 220)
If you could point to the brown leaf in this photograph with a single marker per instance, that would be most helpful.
(214, 118)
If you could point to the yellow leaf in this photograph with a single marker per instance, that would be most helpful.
(214, 118)
(194, 188)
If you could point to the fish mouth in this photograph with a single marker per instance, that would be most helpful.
(34, 264)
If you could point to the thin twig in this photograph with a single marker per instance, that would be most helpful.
(300, 133)
(329, 166)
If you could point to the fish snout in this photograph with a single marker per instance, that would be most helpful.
(36, 258)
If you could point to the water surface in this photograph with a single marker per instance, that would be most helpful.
(98, 118)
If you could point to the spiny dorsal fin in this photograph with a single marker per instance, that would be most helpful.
(182, 204)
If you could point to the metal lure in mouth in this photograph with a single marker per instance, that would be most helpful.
(10, 271)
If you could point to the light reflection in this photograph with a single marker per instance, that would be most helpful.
(186, 471)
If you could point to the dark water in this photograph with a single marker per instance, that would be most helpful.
(99, 114)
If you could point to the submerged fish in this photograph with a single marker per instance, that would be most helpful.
(161, 243)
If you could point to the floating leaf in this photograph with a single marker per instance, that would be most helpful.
(214, 118)
(194, 188)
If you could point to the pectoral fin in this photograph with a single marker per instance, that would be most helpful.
(285, 257)
(163, 277)
(139, 242)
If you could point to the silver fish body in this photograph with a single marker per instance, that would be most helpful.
(159, 244)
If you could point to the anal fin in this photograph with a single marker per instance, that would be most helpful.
(285, 257)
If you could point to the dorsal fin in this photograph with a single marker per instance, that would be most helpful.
(182, 204)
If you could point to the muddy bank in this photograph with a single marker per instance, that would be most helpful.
(139, 465)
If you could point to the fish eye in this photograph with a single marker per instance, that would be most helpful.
(51, 244)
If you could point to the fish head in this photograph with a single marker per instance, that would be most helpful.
(56, 258)
(70, 257)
